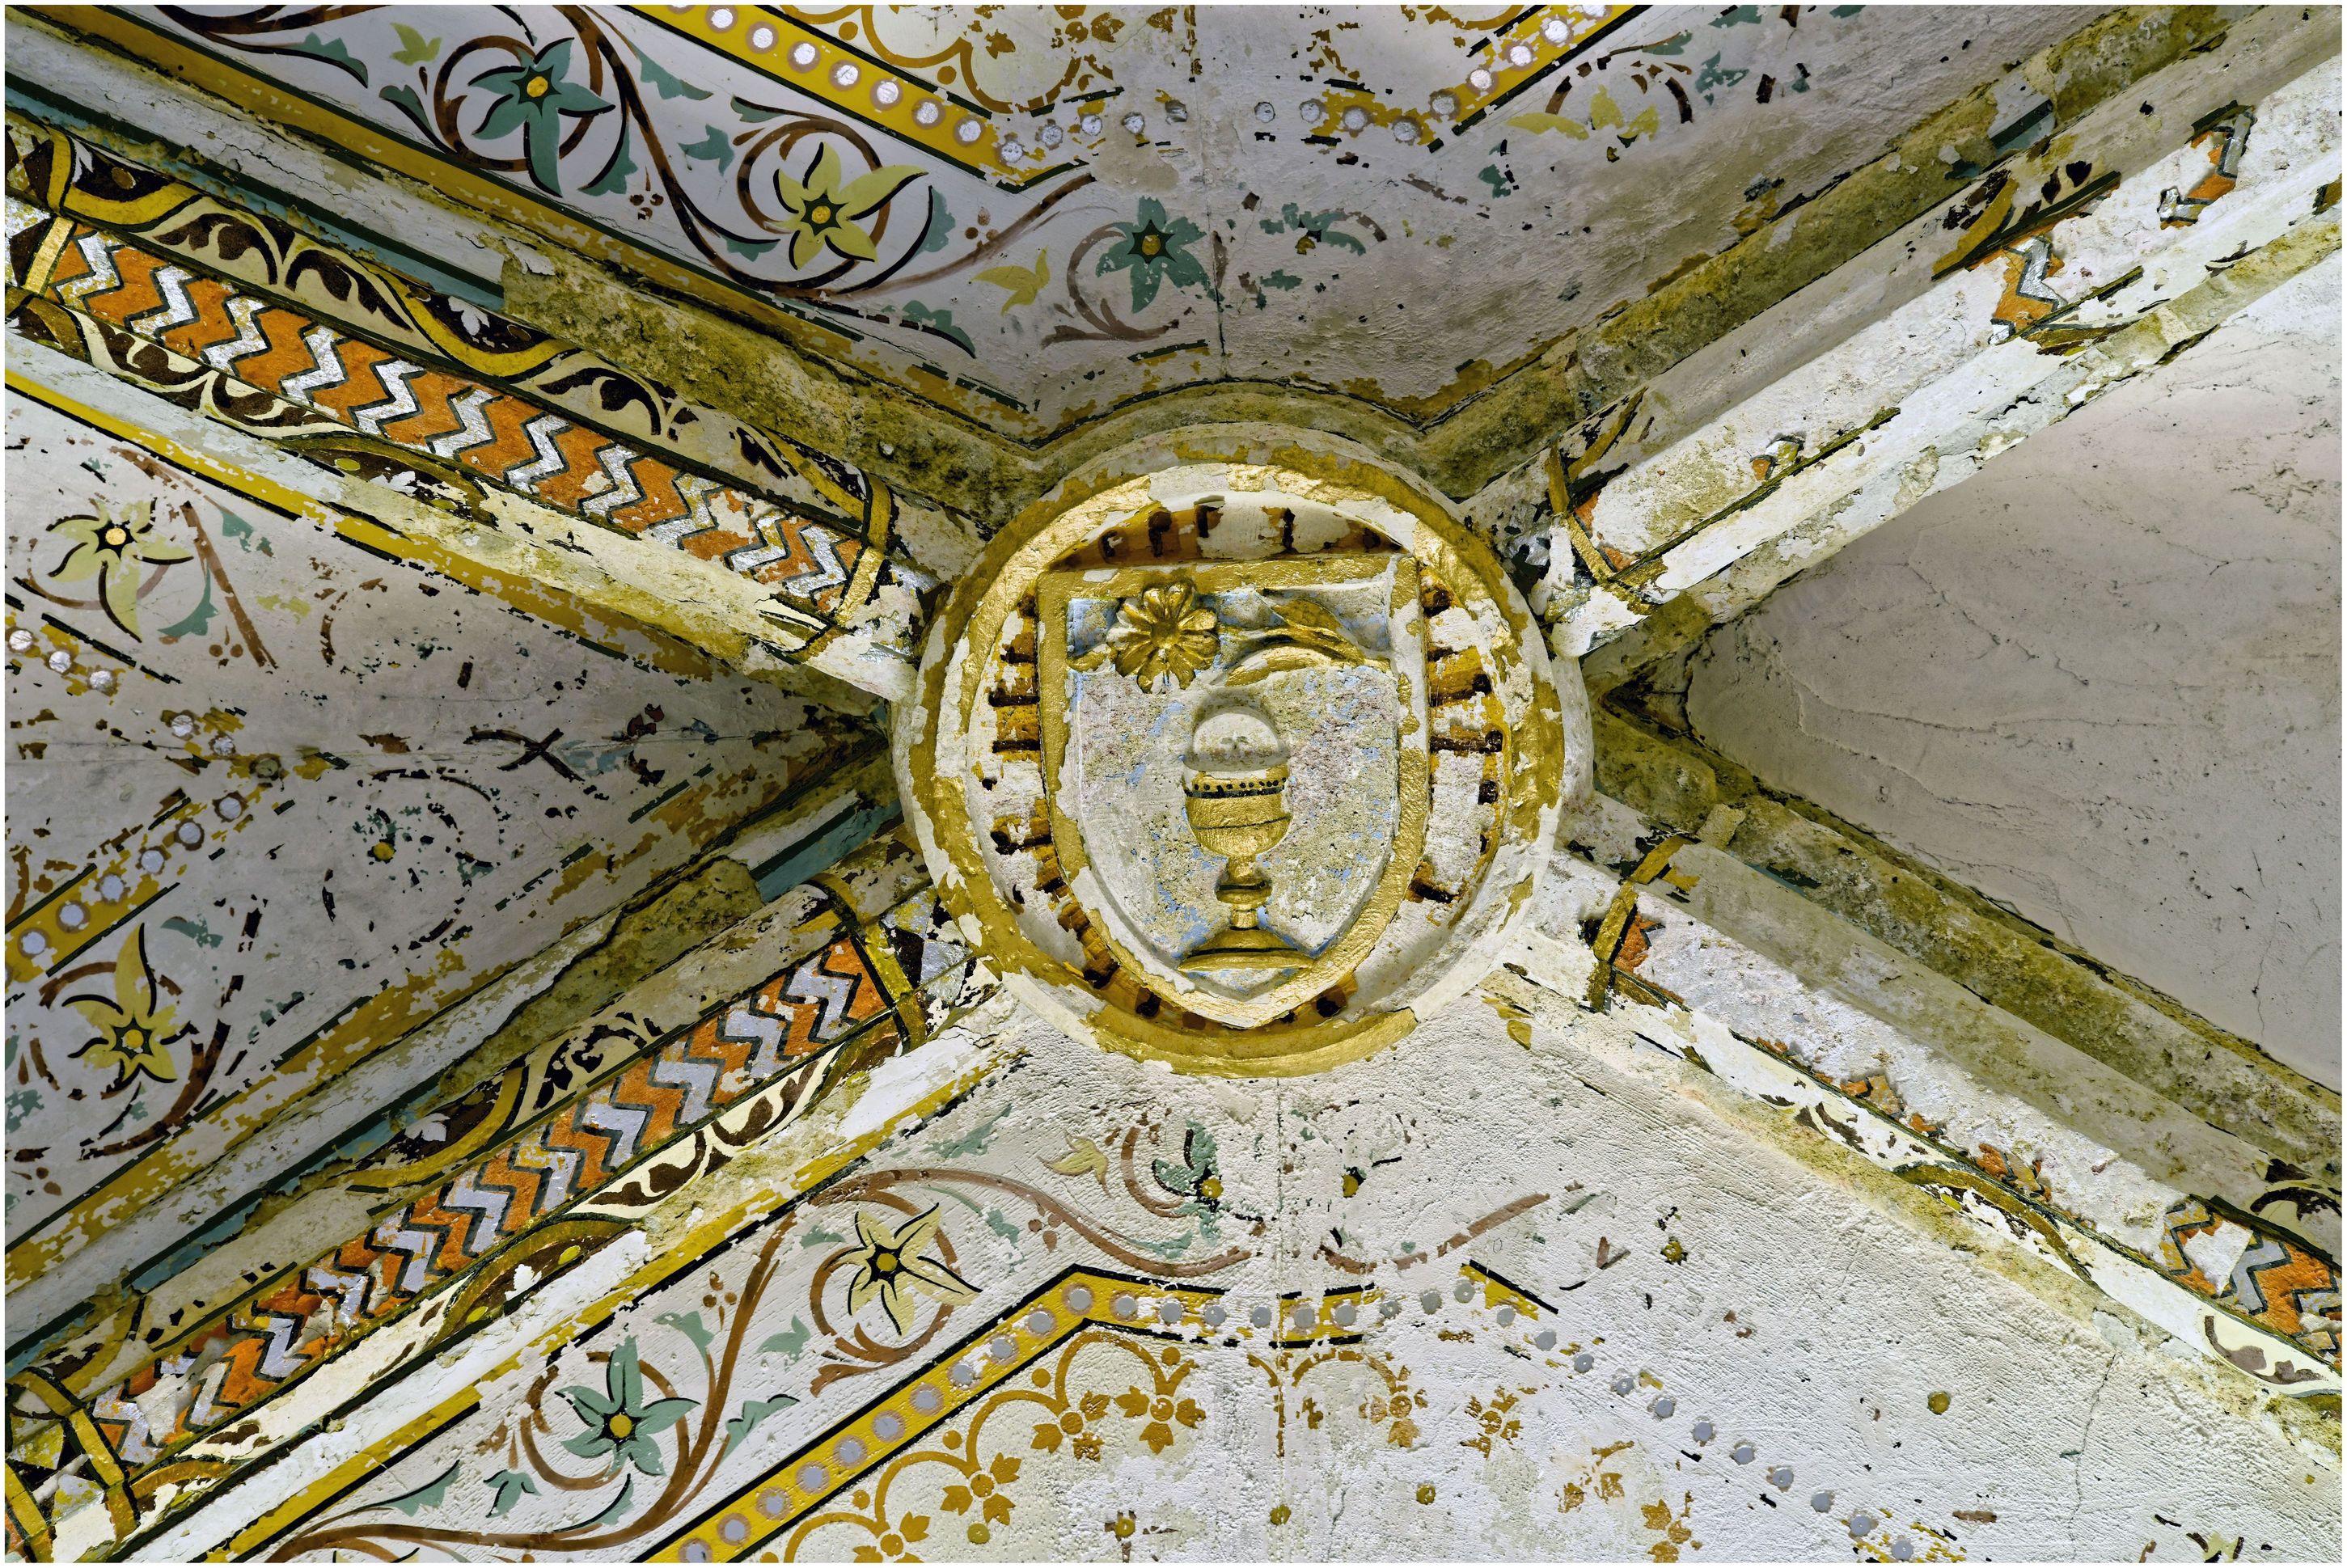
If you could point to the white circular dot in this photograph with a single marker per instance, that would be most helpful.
(189, 834)
(964, 1374)
(230, 807)
(150, 861)
(1479, 79)
(887, 93)
(1744, 1453)
(969, 131)
(1520, 55)
(1545, 1339)
(1432, 1301)
(812, 1477)
(1038, 1322)
(1169, 1310)
(1090, 124)
(1463, 1289)
(1178, 112)
(1782, 1477)
(1664, 1407)
(1215, 1315)
(1506, 1315)
(762, 38)
(20, 640)
(734, 1528)
(928, 114)
(1052, 135)
(803, 56)
(1861, 1523)
(1124, 1306)
(1705, 1431)
(1266, 113)
(720, 20)
(109, 888)
(61, 661)
(846, 73)
(183, 725)
(1013, 150)
(1625, 1384)
(223, 746)
(72, 915)
(1304, 1320)
(1002, 1347)
(928, 1400)
(102, 678)
(1822, 1501)
(1079, 1298)
(1356, 118)
(1260, 1318)
(1345, 1312)
(695, 1551)
(888, 1426)
(1135, 123)
(1555, 30)
(1444, 105)
(850, 1450)
(1405, 131)
(1583, 1362)
(1311, 111)
(1902, 1549)
(33, 943)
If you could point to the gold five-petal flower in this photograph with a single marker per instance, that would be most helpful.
(821, 212)
(134, 1029)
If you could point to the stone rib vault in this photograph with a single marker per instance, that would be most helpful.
(1209, 783)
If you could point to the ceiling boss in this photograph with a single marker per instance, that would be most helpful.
(1237, 762)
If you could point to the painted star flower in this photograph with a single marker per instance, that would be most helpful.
(115, 546)
(1155, 250)
(134, 1031)
(1165, 631)
(619, 1422)
(532, 97)
(821, 212)
(890, 1267)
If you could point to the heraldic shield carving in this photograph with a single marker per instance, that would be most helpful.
(1237, 765)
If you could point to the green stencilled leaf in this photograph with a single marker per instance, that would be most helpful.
(791, 1341)
(334, 52)
(198, 621)
(753, 113)
(614, 179)
(235, 527)
(752, 1412)
(714, 147)
(1675, 43)
(414, 48)
(619, 1509)
(428, 1495)
(940, 229)
(752, 249)
(510, 1485)
(689, 1324)
(664, 81)
(406, 101)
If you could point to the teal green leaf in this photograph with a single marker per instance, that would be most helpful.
(714, 147)
(752, 1412)
(510, 1485)
(198, 621)
(614, 177)
(664, 81)
(941, 321)
(789, 1342)
(688, 1324)
(333, 52)
(428, 1495)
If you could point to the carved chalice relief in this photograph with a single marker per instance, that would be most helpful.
(1235, 795)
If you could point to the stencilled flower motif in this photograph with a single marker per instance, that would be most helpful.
(896, 1545)
(821, 213)
(1077, 1426)
(532, 97)
(117, 547)
(619, 1423)
(1162, 1412)
(1165, 631)
(1156, 251)
(890, 1267)
(984, 1489)
(135, 1029)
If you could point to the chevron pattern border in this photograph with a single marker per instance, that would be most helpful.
(530, 1195)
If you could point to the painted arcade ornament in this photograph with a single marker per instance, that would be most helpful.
(1239, 766)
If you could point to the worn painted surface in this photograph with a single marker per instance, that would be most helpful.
(2214, 480)
(549, 1108)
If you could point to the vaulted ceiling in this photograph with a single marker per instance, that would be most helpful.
(484, 482)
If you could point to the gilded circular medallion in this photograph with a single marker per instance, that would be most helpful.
(1238, 763)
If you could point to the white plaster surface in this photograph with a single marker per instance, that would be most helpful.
(2099, 682)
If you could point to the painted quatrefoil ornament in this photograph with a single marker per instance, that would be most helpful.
(1240, 762)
